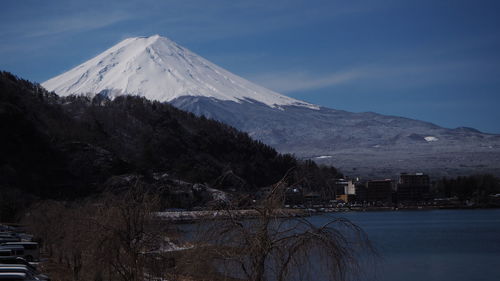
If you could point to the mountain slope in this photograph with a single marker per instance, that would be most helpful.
(366, 144)
(159, 69)
(360, 144)
(68, 146)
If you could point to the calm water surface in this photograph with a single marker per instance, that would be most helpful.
(438, 245)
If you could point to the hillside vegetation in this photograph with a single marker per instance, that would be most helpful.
(66, 148)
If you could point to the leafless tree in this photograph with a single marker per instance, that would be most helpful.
(111, 239)
(42, 220)
(276, 246)
(104, 239)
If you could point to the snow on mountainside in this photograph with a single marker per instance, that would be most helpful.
(360, 144)
(157, 68)
(366, 144)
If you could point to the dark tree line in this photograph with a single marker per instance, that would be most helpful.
(67, 147)
(476, 187)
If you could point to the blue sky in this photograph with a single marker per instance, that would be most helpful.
(437, 61)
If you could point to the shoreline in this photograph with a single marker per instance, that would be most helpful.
(188, 216)
(192, 216)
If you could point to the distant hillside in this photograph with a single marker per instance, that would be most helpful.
(368, 145)
(68, 147)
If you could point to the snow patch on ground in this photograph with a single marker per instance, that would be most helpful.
(323, 157)
(431, 139)
(218, 195)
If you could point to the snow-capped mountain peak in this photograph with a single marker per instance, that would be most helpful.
(159, 69)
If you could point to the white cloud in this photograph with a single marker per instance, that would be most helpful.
(221, 19)
(77, 24)
(286, 82)
(69, 23)
(390, 76)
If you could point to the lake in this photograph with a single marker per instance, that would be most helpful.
(437, 245)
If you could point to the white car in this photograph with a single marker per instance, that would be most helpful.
(14, 276)
(30, 274)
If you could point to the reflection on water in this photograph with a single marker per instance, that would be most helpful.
(435, 245)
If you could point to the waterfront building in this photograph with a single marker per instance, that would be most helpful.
(312, 198)
(379, 191)
(340, 187)
(294, 196)
(344, 190)
(360, 192)
(413, 188)
(351, 188)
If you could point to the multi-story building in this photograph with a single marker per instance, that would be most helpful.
(344, 190)
(413, 188)
(379, 191)
(361, 192)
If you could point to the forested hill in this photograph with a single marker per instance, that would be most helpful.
(66, 147)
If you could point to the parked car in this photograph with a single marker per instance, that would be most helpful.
(16, 250)
(9, 234)
(6, 253)
(9, 238)
(16, 260)
(31, 249)
(29, 275)
(24, 269)
(14, 276)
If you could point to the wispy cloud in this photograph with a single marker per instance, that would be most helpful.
(389, 76)
(69, 23)
(184, 20)
(288, 82)
(77, 24)
(221, 19)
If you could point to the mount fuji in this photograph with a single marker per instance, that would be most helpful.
(157, 68)
(360, 144)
